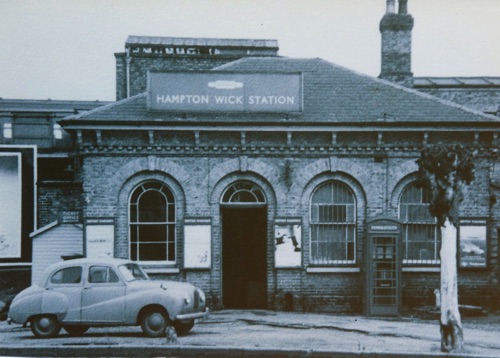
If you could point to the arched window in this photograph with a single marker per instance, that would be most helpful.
(420, 238)
(333, 224)
(243, 192)
(152, 223)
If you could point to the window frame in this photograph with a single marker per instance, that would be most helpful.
(243, 187)
(418, 225)
(169, 225)
(108, 270)
(345, 225)
(65, 284)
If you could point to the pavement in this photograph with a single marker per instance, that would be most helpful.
(261, 333)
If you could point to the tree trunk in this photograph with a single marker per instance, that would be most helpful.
(452, 337)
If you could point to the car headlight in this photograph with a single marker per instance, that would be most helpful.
(202, 295)
(187, 300)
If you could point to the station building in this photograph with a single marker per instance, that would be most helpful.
(281, 183)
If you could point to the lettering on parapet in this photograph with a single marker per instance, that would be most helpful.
(232, 99)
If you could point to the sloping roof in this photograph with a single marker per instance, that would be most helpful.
(199, 42)
(31, 105)
(332, 94)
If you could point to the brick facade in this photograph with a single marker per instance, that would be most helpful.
(199, 161)
(199, 174)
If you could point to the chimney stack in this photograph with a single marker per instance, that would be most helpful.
(396, 44)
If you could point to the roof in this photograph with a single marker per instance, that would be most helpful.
(456, 82)
(198, 42)
(31, 105)
(50, 226)
(332, 94)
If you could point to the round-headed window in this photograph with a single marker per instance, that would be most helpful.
(152, 222)
(243, 192)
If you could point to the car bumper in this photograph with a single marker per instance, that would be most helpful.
(193, 315)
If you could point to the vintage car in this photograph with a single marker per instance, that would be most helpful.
(82, 293)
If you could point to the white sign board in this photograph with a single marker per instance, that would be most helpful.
(10, 205)
(100, 240)
(288, 241)
(197, 241)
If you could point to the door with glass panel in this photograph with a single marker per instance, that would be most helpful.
(383, 268)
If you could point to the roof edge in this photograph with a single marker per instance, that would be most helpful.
(106, 107)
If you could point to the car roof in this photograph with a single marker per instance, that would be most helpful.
(88, 261)
(104, 260)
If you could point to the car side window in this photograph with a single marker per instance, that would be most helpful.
(102, 274)
(68, 275)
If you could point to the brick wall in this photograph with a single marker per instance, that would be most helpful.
(288, 180)
(54, 197)
(396, 48)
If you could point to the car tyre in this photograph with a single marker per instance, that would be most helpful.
(45, 326)
(76, 331)
(183, 328)
(154, 322)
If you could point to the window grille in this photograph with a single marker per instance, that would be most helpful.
(152, 223)
(333, 224)
(420, 237)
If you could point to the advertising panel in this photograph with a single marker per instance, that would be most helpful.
(99, 237)
(197, 241)
(225, 92)
(10, 205)
(288, 241)
(473, 241)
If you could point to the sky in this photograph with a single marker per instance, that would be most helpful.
(64, 49)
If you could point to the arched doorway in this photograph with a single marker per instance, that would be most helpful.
(244, 243)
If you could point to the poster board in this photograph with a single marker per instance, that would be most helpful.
(197, 243)
(10, 205)
(287, 242)
(99, 237)
(473, 243)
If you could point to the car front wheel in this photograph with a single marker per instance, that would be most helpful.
(75, 331)
(45, 326)
(154, 323)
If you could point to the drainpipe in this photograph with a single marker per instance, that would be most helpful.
(127, 69)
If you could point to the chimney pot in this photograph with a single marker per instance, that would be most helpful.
(391, 7)
(403, 7)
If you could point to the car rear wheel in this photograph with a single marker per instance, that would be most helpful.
(154, 322)
(183, 328)
(75, 330)
(45, 326)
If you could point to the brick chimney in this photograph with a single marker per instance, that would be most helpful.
(396, 44)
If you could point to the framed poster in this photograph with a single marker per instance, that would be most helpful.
(288, 242)
(473, 243)
(99, 237)
(197, 243)
(10, 205)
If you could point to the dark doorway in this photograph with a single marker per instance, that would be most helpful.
(244, 252)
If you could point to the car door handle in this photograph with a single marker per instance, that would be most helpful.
(87, 288)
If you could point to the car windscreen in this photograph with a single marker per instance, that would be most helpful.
(132, 272)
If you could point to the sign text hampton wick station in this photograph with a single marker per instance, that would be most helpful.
(225, 92)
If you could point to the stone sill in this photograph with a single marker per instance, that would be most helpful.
(333, 270)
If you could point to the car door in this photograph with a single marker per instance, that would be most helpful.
(103, 297)
(67, 281)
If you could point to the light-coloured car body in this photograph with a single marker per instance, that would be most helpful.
(106, 292)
